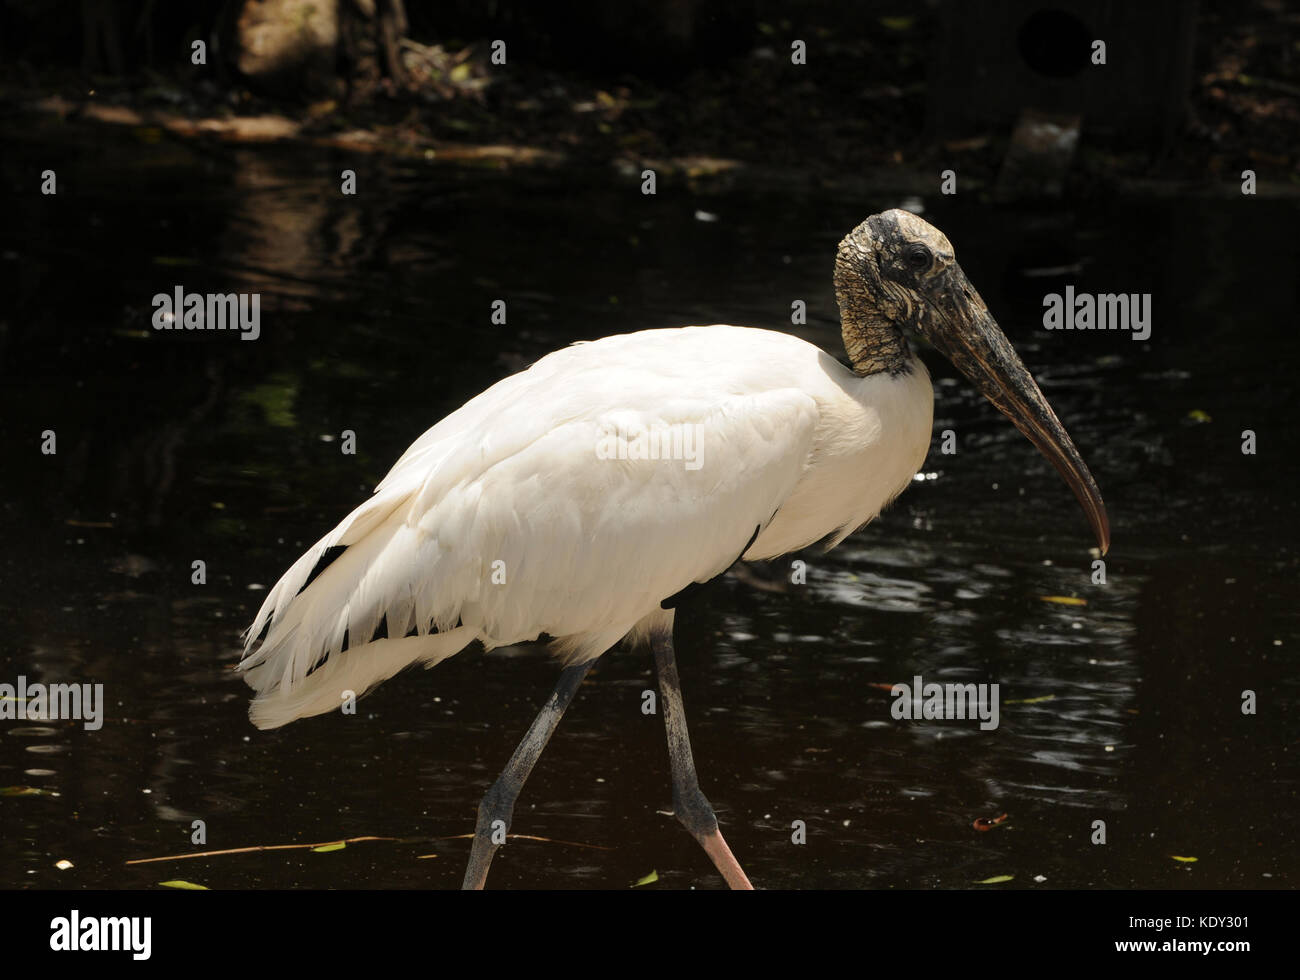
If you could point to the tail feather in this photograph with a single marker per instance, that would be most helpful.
(351, 673)
(314, 638)
(352, 529)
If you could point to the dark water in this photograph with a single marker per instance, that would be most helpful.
(375, 318)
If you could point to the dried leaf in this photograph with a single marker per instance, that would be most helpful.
(984, 823)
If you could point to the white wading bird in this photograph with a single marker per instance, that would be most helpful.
(793, 447)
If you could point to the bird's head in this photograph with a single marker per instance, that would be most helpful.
(896, 272)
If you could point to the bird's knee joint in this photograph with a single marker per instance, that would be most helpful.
(498, 803)
(695, 813)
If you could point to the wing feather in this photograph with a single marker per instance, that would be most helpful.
(508, 519)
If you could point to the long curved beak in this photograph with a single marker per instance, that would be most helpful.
(964, 331)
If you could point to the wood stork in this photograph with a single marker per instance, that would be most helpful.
(536, 510)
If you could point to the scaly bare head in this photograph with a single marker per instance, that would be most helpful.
(896, 272)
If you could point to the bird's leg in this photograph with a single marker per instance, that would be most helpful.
(689, 805)
(498, 803)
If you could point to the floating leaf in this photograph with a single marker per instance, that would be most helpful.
(995, 880)
(24, 791)
(897, 23)
(1185, 860)
(326, 848)
(649, 879)
(1196, 415)
(1037, 700)
(984, 823)
(187, 886)
(1064, 600)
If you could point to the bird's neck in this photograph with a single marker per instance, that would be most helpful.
(873, 342)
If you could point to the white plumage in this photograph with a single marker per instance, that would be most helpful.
(793, 445)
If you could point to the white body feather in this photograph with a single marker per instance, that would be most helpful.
(792, 445)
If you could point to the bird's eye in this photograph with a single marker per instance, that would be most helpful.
(918, 257)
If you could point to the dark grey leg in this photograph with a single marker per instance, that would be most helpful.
(499, 801)
(689, 805)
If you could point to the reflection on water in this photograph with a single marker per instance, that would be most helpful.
(174, 448)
